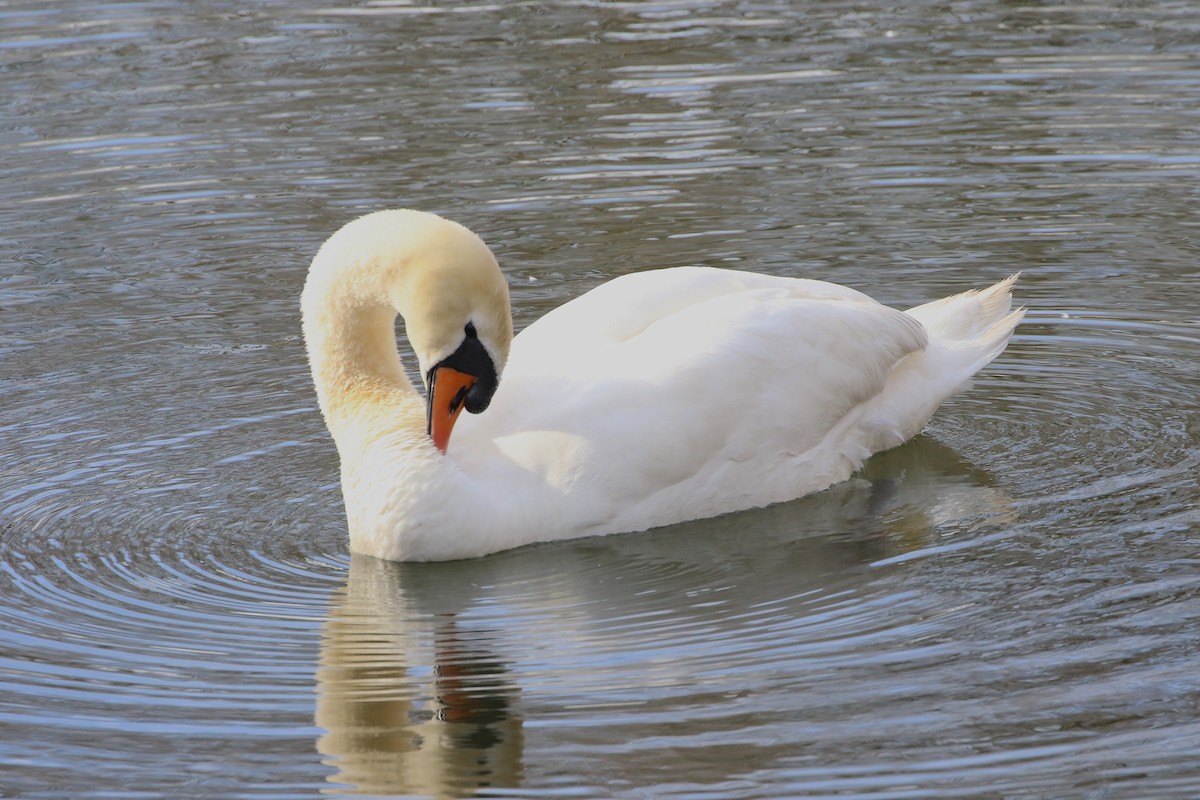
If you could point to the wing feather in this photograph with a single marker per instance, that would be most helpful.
(689, 367)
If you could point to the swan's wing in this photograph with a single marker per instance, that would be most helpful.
(642, 384)
(624, 307)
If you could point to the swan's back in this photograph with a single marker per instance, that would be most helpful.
(625, 306)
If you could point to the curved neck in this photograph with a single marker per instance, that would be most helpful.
(357, 371)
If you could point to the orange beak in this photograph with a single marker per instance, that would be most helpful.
(447, 393)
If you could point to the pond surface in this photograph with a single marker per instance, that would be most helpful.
(1008, 606)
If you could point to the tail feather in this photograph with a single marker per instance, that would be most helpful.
(966, 332)
(978, 322)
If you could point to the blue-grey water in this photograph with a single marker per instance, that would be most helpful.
(1006, 607)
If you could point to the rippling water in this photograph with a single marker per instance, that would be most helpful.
(1005, 607)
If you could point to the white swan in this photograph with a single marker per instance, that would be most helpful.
(656, 398)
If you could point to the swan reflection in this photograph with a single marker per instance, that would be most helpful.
(409, 703)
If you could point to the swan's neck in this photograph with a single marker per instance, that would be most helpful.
(361, 385)
(395, 482)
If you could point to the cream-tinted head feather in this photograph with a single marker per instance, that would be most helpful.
(435, 273)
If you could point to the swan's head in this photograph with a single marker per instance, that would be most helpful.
(444, 281)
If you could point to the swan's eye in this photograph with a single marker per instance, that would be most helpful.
(470, 331)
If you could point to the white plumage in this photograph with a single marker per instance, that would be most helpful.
(656, 398)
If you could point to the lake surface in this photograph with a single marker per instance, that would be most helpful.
(1008, 606)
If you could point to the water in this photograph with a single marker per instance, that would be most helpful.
(1005, 607)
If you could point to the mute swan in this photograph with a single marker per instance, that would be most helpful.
(658, 397)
